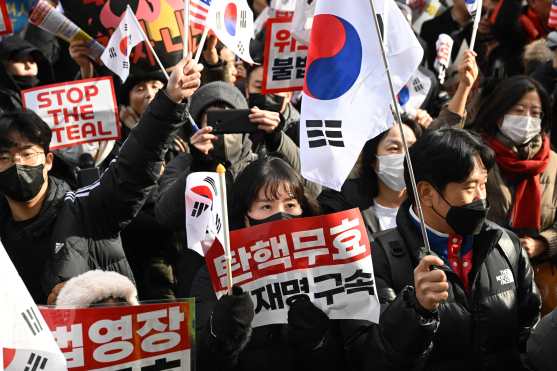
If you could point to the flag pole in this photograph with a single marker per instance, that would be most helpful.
(201, 44)
(477, 18)
(399, 121)
(149, 44)
(186, 28)
(221, 171)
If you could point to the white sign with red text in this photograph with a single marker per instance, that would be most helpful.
(326, 258)
(77, 112)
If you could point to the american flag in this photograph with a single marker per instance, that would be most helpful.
(199, 11)
(552, 21)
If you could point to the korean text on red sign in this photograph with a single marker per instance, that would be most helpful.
(285, 58)
(77, 112)
(326, 258)
(128, 338)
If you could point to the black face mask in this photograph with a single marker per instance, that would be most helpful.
(467, 219)
(272, 218)
(268, 102)
(26, 82)
(21, 182)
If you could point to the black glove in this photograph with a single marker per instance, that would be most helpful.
(307, 324)
(231, 321)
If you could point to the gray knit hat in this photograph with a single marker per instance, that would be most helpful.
(213, 93)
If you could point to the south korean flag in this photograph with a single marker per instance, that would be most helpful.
(232, 23)
(203, 211)
(26, 342)
(116, 56)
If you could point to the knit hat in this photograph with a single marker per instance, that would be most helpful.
(213, 93)
(94, 286)
(137, 78)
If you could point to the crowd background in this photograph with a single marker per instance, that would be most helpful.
(134, 222)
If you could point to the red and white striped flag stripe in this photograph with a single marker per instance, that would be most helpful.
(552, 20)
(199, 11)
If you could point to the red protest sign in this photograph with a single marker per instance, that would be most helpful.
(5, 21)
(149, 336)
(285, 58)
(327, 258)
(77, 112)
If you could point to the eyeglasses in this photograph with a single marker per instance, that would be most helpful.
(25, 158)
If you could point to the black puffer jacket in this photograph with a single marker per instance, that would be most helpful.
(80, 231)
(484, 329)
(10, 97)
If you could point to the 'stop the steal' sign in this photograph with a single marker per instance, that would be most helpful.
(326, 258)
(77, 112)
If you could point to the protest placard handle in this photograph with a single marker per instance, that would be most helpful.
(398, 119)
(221, 171)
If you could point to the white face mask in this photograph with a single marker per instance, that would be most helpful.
(520, 129)
(390, 169)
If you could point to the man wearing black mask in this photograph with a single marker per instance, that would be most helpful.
(52, 234)
(469, 303)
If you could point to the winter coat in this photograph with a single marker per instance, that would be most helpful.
(483, 329)
(352, 194)
(79, 231)
(10, 96)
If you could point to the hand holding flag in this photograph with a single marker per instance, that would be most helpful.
(184, 80)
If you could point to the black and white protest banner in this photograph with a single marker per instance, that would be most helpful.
(444, 47)
(25, 343)
(77, 112)
(285, 59)
(326, 258)
(346, 88)
(204, 218)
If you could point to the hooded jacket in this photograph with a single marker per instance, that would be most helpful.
(80, 231)
(10, 98)
(483, 329)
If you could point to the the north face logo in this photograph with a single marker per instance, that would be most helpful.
(505, 277)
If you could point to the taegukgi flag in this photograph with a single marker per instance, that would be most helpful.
(346, 93)
(26, 342)
(232, 23)
(203, 211)
(116, 56)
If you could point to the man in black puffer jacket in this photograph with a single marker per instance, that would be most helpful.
(51, 234)
(469, 303)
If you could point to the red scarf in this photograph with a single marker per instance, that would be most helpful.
(527, 205)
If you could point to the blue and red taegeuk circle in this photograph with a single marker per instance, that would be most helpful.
(334, 58)
(230, 18)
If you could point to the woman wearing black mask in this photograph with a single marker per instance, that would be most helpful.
(267, 190)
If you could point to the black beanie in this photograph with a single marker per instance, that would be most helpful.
(133, 80)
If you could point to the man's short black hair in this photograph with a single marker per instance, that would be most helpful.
(446, 156)
(26, 123)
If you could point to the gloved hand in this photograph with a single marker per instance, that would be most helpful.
(307, 324)
(231, 321)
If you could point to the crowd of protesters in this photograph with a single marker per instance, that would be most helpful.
(482, 145)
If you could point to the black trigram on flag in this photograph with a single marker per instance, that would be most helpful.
(243, 19)
(218, 223)
(241, 48)
(211, 182)
(331, 135)
(198, 208)
(112, 52)
(36, 362)
(418, 86)
(125, 64)
(32, 320)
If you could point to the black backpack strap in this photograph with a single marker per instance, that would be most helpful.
(510, 251)
(397, 256)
